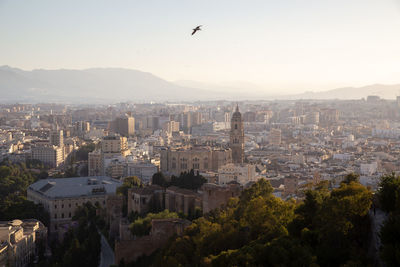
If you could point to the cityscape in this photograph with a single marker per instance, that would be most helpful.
(119, 167)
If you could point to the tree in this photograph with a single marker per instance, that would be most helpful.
(142, 226)
(390, 238)
(83, 152)
(351, 177)
(159, 179)
(188, 180)
(389, 193)
(389, 198)
(128, 182)
(81, 245)
(14, 181)
(258, 229)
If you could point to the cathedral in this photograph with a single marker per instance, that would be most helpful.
(237, 137)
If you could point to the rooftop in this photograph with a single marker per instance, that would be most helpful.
(75, 186)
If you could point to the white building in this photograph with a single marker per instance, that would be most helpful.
(143, 170)
(49, 155)
(62, 196)
(240, 173)
(19, 241)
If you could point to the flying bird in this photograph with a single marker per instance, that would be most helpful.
(196, 29)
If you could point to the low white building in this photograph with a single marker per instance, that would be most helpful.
(60, 197)
(240, 173)
(143, 170)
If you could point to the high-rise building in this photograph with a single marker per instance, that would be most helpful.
(237, 137)
(186, 121)
(312, 118)
(81, 127)
(171, 127)
(124, 126)
(329, 115)
(275, 137)
(57, 138)
(52, 156)
(95, 163)
(114, 145)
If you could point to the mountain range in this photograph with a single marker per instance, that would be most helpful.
(108, 85)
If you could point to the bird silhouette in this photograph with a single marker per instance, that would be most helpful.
(196, 29)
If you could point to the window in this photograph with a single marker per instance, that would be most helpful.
(69, 205)
(69, 215)
(62, 215)
(196, 166)
(55, 216)
(55, 206)
(235, 126)
(62, 206)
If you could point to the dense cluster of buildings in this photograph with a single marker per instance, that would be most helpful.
(293, 144)
(20, 242)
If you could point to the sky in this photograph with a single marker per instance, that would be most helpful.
(285, 45)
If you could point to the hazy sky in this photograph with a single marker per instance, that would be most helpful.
(285, 45)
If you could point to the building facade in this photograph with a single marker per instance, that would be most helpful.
(52, 156)
(95, 163)
(275, 137)
(142, 170)
(57, 138)
(124, 126)
(20, 240)
(239, 173)
(176, 161)
(114, 145)
(61, 197)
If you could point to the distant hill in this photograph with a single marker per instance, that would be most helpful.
(90, 85)
(251, 91)
(107, 85)
(384, 91)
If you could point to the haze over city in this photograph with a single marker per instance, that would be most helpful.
(272, 47)
(199, 133)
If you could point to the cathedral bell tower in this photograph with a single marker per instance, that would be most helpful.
(237, 137)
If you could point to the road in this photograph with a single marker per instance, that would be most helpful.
(107, 254)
